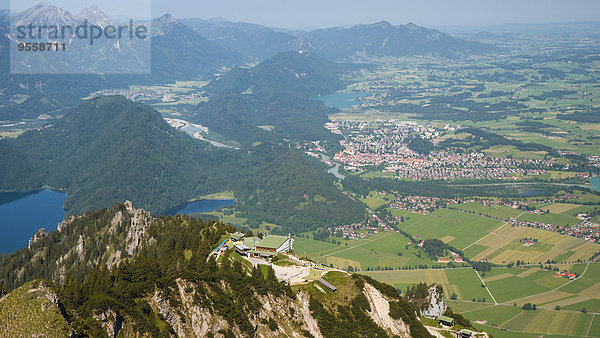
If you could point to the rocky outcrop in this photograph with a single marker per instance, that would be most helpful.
(434, 305)
(169, 314)
(137, 228)
(189, 319)
(41, 233)
(79, 248)
(309, 321)
(110, 321)
(380, 312)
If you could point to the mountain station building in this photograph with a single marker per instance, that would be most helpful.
(266, 248)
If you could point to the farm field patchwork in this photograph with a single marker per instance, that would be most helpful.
(462, 282)
(510, 321)
(504, 247)
(465, 228)
(382, 250)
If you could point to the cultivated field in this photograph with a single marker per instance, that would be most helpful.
(462, 282)
(504, 247)
(379, 251)
(465, 228)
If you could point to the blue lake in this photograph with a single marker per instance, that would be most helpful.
(343, 100)
(595, 183)
(202, 206)
(23, 214)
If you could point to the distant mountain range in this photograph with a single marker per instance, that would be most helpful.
(379, 39)
(251, 40)
(385, 39)
(178, 53)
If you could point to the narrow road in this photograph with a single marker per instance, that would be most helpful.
(488, 290)
(589, 327)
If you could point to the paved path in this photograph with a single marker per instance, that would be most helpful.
(488, 290)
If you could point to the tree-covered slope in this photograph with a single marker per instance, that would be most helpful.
(291, 191)
(298, 73)
(109, 149)
(267, 118)
(102, 152)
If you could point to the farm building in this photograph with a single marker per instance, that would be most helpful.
(565, 274)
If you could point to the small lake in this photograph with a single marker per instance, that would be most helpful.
(23, 214)
(342, 100)
(200, 206)
(595, 183)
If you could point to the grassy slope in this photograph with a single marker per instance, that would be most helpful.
(27, 311)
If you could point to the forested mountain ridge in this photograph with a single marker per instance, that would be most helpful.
(121, 271)
(110, 149)
(384, 39)
(298, 73)
(269, 118)
(101, 152)
(252, 40)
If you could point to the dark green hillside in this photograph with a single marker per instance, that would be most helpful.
(231, 115)
(110, 149)
(297, 73)
(291, 191)
(290, 117)
(104, 151)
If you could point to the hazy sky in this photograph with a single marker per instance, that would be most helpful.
(325, 13)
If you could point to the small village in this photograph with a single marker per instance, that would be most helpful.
(385, 142)
(585, 230)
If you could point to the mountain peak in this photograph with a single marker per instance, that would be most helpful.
(217, 19)
(412, 26)
(383, 24)
(94, 16)
(44, 14)
(168, 21)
